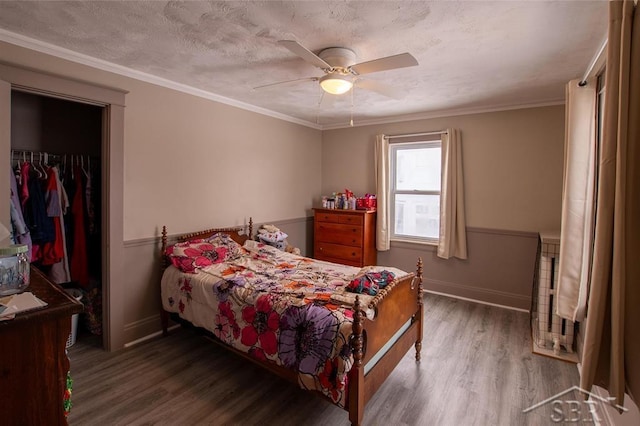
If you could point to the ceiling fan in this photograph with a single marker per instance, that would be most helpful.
(341, 70)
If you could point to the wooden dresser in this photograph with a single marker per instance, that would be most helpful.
(345, 236)
(33, 359)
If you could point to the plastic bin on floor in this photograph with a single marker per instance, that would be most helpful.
(76, 294)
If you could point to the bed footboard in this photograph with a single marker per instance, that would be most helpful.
(380, 343)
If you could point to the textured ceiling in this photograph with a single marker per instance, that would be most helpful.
(473, 55)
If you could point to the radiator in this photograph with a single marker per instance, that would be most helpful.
(552, 334)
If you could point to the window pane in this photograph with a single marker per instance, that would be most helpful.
(418, 169)
(417, 215)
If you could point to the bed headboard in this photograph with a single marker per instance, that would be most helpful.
(239, 234)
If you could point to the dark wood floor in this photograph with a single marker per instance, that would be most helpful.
(477, 369)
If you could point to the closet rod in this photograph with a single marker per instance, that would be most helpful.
(29, 152)
(410, 135)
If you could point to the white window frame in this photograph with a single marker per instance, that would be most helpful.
(393, 147)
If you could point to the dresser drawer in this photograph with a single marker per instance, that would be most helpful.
(348, 219)
(338, 233)
(338, 252)
(345, 236)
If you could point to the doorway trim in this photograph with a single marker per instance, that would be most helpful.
(113, 102)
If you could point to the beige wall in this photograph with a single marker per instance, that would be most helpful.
(512, 163)
(215, 164)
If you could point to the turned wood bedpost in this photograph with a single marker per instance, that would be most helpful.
(420, 313)
(250, 228)
(356, 384)
(357, 333)
(164, 316)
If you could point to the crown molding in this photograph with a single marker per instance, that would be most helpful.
(444, 113)
(70, 55)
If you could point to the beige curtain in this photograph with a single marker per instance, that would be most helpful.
(453, 237)
(382, 166)
(611, 355)
(578, 199)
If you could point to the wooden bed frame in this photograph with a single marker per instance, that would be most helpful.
(398, 314)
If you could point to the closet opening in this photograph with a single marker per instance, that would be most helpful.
(111, 103)
(57, 163)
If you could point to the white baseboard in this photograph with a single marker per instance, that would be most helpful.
(477, 294)
(482, 302)
(149, 336)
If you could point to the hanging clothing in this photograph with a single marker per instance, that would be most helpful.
(91, 214)
(79, 264)
(20, 230)
(59, 272)
(34, 209)
(24, 183)
(68, 182)
(53, 251)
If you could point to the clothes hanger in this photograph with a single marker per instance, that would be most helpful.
(47, 167)
(33, 166)
(19, 168)
(42, 169)
(82, 165)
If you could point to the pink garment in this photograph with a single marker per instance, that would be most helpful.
(24, 183)
(59, 272)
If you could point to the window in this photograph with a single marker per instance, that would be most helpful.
(415, 191)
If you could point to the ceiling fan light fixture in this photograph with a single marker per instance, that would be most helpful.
(336, 84)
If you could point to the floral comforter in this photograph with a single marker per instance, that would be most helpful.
(277, 307)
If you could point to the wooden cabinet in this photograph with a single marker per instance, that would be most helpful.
(345, 236)
(33, 358)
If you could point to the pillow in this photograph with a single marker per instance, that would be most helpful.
(190, 255)
(280, 245)
(234, 250)
(272, 237)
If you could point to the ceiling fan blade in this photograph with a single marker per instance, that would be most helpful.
(304, 53)
(382, 64)
(381, 88)
(287, 83)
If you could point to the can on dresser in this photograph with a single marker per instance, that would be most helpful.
(14, 269)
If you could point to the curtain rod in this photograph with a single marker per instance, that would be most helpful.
(410, 135)
(596, 59)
